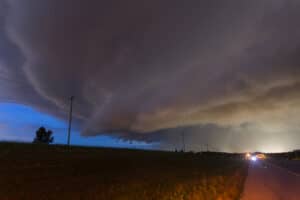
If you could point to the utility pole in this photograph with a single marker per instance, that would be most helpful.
(70, 119)
(183, 141)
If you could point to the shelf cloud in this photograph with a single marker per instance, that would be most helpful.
(143, 70)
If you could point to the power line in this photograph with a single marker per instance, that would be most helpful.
(3, 76)
(18, 84)
(70, 119)
(183, 141)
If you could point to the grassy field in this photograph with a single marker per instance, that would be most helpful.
(54, 172)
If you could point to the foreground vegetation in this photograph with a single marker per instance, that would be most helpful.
(54, 172)
(293, 155)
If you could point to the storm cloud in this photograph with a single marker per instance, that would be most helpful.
(142, 70)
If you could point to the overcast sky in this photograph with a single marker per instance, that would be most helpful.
(227, 73)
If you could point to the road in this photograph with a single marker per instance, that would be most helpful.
(269, 181)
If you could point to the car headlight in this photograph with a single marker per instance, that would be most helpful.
(253, 158)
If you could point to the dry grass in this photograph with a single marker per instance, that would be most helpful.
(52, 172)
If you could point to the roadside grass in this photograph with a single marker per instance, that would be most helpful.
(55, 172)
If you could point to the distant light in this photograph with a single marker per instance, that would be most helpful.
(253, 158)
(261, 156)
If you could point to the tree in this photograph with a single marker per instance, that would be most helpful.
(42, 136)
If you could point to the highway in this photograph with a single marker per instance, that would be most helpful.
(272, 180)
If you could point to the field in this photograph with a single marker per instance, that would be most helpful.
(29, 172)
(294, 155)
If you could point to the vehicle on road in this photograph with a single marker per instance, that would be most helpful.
(255, 156)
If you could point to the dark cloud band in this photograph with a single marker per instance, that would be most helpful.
(142, 67)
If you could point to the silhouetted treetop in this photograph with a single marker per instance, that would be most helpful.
(43, 136)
